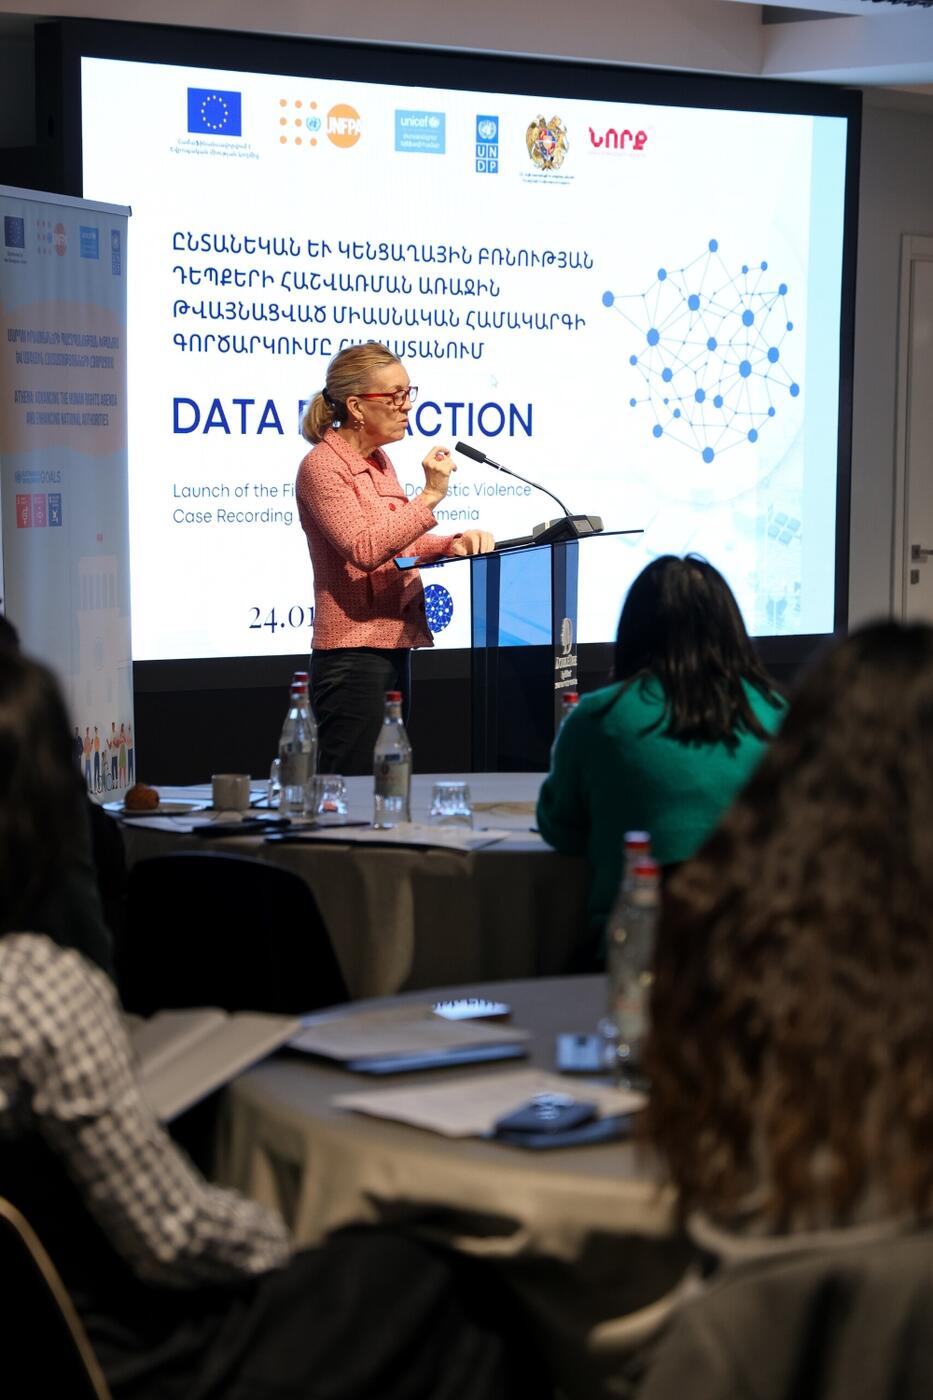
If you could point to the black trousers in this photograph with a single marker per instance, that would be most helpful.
(347, 687)
(366, 1316)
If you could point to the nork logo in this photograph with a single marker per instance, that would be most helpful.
(612, 140)
(343, 125)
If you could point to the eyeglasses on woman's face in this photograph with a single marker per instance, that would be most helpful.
(398, 396)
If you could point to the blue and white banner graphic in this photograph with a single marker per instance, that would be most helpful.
(63, 463)
(637, 305)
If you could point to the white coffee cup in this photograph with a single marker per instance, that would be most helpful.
(230, 792)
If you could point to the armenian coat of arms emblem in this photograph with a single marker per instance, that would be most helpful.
(547, 142)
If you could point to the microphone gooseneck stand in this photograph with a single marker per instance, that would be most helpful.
(564, 527)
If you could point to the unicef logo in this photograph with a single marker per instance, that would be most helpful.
(434, 121)
(313, 123)
(438, 607)
(487, 129)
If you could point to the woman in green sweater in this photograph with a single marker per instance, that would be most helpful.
(666, 747)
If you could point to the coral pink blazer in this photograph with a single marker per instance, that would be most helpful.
(357, 519)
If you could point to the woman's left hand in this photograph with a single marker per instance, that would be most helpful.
(473, 542)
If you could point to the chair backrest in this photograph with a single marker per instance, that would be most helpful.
(45, 1348)
(205, 928)
(847, 1322)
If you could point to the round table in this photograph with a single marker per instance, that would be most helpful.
(585, 1235)
(401, 918)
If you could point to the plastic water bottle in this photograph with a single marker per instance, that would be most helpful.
(297, 751)
(568, 701)
(392, 767)
(630, 937)
(636, 846)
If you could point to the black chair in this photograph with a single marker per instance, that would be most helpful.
(851, 1322)
(45, 1347)
(204, 928)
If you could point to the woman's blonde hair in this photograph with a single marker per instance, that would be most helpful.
(349, 372)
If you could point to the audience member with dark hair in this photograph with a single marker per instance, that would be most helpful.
(666, 747)
(186, 1291)
(9, 637)
(81, 899)
(791, 1050)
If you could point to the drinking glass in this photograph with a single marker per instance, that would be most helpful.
(275, 785)
(326, 798)
(451, 805)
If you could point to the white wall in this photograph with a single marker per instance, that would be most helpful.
(706, 35)
(896, 197)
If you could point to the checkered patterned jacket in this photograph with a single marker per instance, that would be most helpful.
(66, 1074)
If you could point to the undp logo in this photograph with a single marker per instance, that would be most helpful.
(343, 125)
(486, 146)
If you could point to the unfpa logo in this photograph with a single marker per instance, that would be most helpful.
(343, 125)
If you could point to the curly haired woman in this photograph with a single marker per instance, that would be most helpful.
(791, 1054)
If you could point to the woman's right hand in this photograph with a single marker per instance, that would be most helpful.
(437, 467)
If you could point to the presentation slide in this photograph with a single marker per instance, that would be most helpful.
(636, 305)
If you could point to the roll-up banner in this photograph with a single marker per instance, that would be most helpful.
(63, 463)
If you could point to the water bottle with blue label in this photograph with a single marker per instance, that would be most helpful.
(392, 767)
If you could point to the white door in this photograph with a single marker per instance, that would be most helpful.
(913, 588)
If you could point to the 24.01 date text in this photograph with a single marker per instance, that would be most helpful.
(297, 616)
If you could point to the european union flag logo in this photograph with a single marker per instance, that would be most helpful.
(14, 231)
(212, 112)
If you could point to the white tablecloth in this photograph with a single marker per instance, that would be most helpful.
(584, 1235)
(402, 918)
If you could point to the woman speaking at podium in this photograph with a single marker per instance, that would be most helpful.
(357, 519)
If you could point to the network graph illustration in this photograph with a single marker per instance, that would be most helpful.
(710, 345)
(438, 607)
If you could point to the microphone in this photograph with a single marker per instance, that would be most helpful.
(568, 527)
(476, 456)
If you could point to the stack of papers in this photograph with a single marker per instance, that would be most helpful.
(410, 1032)
(472, 1107)
(447, 838)
(182, 1056)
